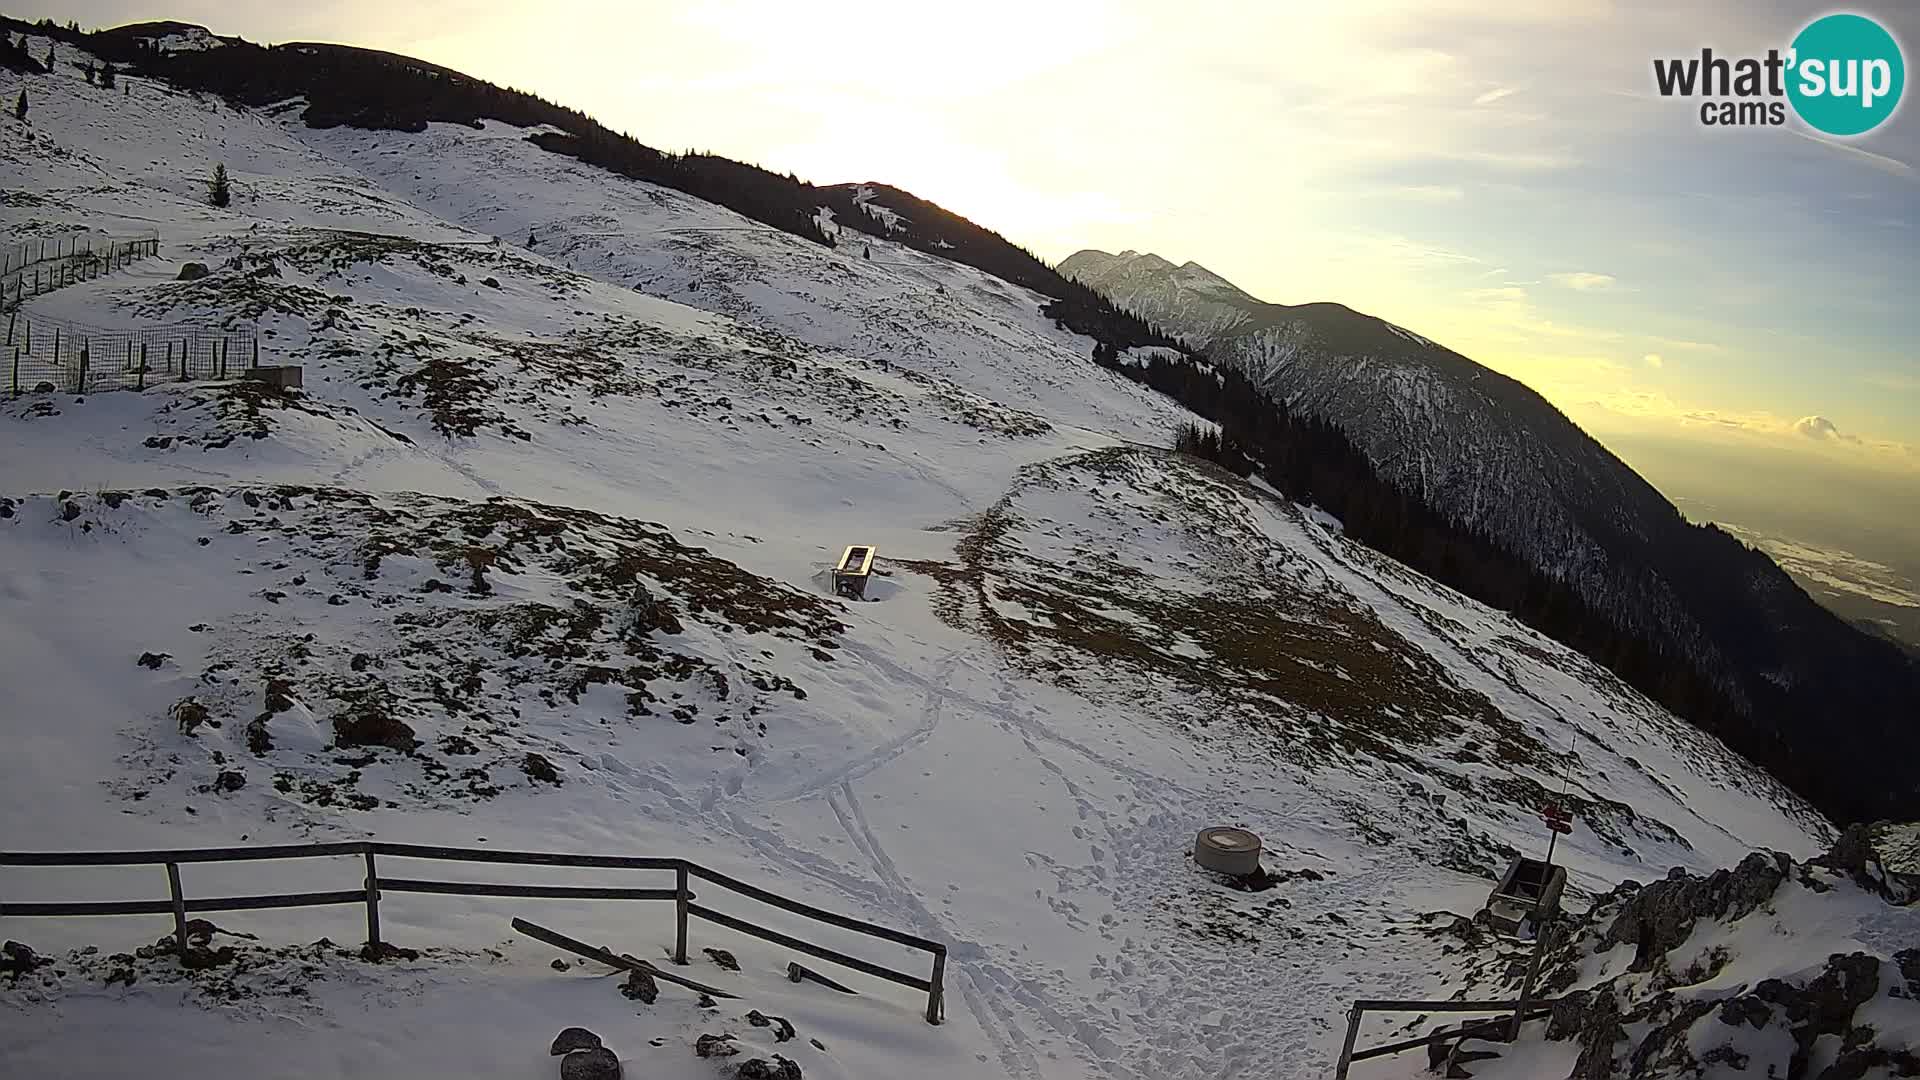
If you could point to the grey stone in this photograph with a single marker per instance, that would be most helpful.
(596, 1063)
(193, 271)
(573, 1038)
(774, 1068)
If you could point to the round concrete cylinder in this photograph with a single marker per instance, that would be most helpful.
(1227, 850)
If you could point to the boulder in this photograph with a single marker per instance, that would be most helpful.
(640, 987)
(1660, 916)
(723, 958)
(774, 1068)
(17, 959)
(571, 1039)
(596, 1063)
(712, 1046)
(193, 271)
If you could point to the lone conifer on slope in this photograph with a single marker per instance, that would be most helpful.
(20, 107)
(106, 76)
(219, 191)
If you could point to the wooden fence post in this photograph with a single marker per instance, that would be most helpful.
(179, 908)
(373, 909)
(56, 345)
(1346, 1049)
(680, 914)
(143, 367)
(12, 317)
(16, 373)
(1526, 987)
(937, 993)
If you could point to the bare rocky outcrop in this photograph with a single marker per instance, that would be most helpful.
(1650, 1023)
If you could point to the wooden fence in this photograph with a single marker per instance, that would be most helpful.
(178, 904)
(49, 356)
(35, 267)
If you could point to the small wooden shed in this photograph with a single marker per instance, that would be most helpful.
(1529, 892)
(851, 573)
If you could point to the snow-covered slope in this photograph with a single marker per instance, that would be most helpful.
(1785, 680)
(536, 561)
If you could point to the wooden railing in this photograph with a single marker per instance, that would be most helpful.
(1502, 1027)
(179, 904)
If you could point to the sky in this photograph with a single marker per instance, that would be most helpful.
(1732, 310)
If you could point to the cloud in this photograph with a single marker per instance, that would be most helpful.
(1583, 280)
(1819, 427)
(1654, 360)
(1496, 94)
(1431, 193)
(1878, 161)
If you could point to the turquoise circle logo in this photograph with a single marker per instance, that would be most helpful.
(1847, 74)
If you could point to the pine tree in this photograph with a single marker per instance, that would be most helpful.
(49, 57)
(90, 72)
(106, 76)
(20, 107)
(219, 191)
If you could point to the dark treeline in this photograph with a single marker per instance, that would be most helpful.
(1774, 716)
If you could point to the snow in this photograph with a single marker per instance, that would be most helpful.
(1083, 648)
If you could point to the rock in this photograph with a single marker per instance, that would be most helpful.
(152, 660)
(491, 283)
(1856, 854)
(646, 614)
(386, 951)
(775, 1068)
(573, 1038)
(192, 271)
(17, 959)
(229, 780)
(1909, 961)
(200, 958)
(640, 987)
(1745, 1010)
(537, 767)
(723, 958)
(782, 1027)
(1600, 1030)
(712, 1046)
(1660, 916)
(597, 1063)
(818, 1045)
(561, 965)
(706, 1002)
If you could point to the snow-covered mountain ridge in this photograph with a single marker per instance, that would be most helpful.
(1689, 614)
(535, 560)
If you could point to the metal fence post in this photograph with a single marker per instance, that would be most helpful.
(937, 991)
(142, 383)
(179, 908)
(16, 372)
(680, 914)
(373, 908)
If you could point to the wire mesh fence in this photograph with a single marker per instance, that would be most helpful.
(39, 266)
(44, 356)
